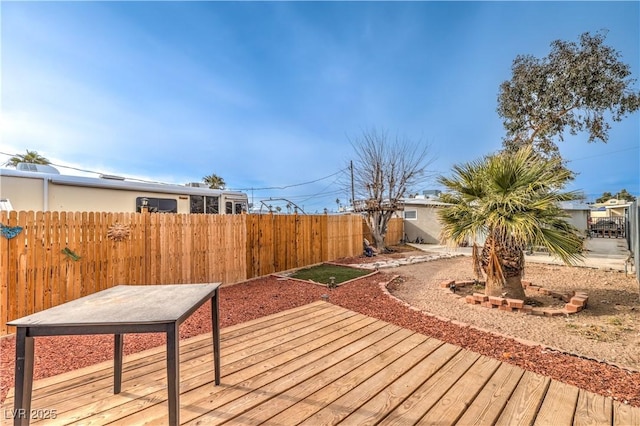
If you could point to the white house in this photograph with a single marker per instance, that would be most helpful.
(579, 214)
(421, 223)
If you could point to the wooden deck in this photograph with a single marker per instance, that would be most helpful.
(321, 364)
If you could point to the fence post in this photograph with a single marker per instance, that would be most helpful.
(634, 238)
(146, 246)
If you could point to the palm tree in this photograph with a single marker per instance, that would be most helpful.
(214, 181)
(30, 157)
(512, 200)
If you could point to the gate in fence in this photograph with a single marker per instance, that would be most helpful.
(609, 227)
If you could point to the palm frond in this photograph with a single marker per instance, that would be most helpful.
(515, 197)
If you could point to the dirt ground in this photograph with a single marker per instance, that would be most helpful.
(608, 330)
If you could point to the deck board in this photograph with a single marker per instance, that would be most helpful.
(455, 402)
(397, 391)
(525, 401)
(370, 388)
(321, 364)
(488, 405)
(554, 409)
(427, 395)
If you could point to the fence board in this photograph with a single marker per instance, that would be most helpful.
(4, 279)
(395, 231)
(22, 272)
(36, 274)
(12, 269)
(45, 252)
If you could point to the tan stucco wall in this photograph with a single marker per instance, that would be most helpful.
(24, 194)
(612, 212)
(28, 194)
(579, 218)
(85, 199)
(426, 226)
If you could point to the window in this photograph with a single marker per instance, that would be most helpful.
(410, 214)
(228, 207)
(157, 205)
(212, 205)
(196, 204)
(202, 204)
(241, 208)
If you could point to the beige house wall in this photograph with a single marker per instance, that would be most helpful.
(426, 225)
(614, 208)
(610, 212)
(579, 219)
(614, 212)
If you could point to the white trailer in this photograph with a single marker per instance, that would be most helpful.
(38, 188)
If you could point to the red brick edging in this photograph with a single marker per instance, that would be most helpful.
(574, 301)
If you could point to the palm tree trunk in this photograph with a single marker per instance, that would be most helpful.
(503, 263)
(513, 287)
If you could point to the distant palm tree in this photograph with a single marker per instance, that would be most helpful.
(214, 181)
(30, 157)
(512, 200)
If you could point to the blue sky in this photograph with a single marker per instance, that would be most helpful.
(268, 94)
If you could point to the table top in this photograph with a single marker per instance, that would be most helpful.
(125, 304)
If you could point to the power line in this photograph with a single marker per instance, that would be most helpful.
(303, 199)
(92, 171)
(606, 153)
(292, 185)
(317, 194)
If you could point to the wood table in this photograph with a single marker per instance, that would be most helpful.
(118, 310)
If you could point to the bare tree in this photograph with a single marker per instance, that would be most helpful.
(383, 170)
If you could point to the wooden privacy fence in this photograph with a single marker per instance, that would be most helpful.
(282, 242)
(395, 231)
(59, 256)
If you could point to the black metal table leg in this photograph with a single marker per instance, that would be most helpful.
(173, 374)
(24, 377)
(215, 328)
(117, 363)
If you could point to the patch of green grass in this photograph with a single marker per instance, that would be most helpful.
(323, 273)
